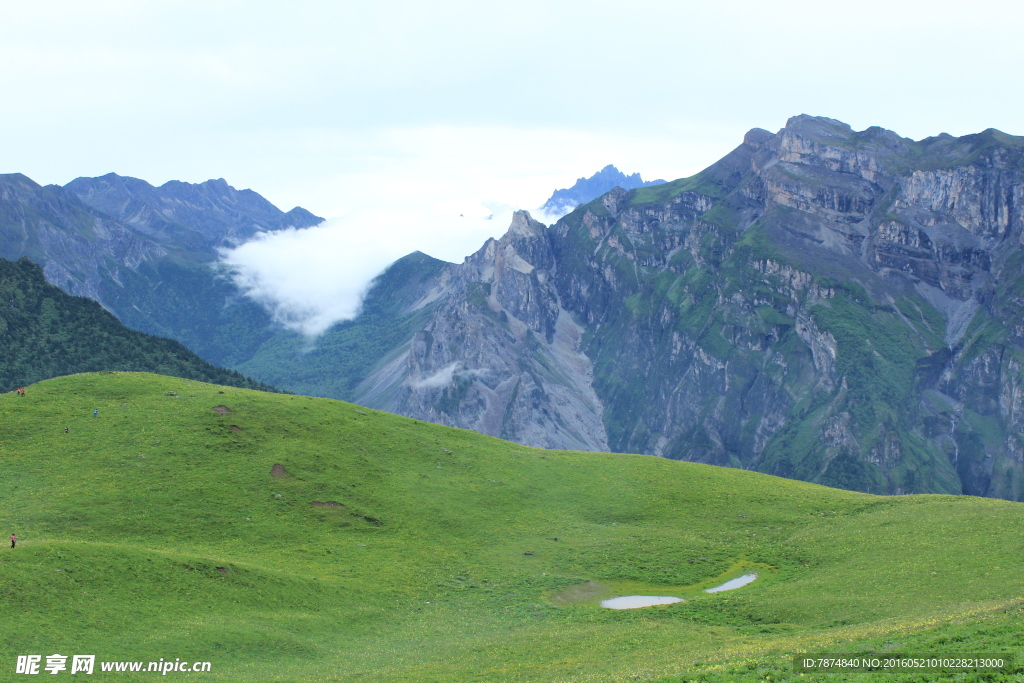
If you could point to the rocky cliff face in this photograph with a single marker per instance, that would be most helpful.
(77, 249)
(825, 304)
(499, 353)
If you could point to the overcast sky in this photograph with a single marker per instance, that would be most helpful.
(396, 117)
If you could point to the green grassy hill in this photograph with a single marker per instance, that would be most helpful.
(301, 539)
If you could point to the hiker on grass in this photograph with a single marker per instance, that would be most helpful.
(96, 412)
(14, 539)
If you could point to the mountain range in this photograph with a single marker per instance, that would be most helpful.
(838, 306)
(824, 304)
(147, 254)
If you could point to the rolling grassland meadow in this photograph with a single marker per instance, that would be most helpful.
(287, 538)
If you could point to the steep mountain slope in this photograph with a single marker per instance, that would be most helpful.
(482, 345)
(588, 189)
(46, 333)
(824, 304)
(498, 354)
(395, 308)
(147, 254)
(300, 539)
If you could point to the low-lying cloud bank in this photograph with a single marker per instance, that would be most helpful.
(312, 278)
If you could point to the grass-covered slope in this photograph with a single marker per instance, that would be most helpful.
(287, 538)
(46, 333)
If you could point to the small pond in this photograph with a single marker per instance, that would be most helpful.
(633, 601)
(732, 584)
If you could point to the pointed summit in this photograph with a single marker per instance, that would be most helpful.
(589, 189)
(524, 224)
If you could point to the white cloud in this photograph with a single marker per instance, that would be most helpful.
(446, 375)
(307, 278)
(447, 169)
(442, 377)
(438, 189)
(312, 278)
(282, 96)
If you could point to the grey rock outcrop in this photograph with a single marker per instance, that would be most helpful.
(79, 251)
(500, 354)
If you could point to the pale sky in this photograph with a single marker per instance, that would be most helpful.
(396, 117)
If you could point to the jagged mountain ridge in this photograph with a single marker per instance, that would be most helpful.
(217, 213)
(148, 254)
(822, 304)
(588, 189)
(499, 354)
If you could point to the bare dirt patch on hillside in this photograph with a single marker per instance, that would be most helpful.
(581, 592)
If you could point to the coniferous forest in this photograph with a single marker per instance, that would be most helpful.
(46, 333)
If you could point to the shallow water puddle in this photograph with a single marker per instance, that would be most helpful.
(733, 584)
(591, 592)
(634, 601)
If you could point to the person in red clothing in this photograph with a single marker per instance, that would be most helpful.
(21, 391)
(14, 539)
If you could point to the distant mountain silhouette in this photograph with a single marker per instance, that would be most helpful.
(588, 189)
(149, 254)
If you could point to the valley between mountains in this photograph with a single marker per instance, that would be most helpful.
(822, 304)
(842, 307)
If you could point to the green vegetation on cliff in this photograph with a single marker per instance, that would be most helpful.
(287, 538)
(46, 333)
(734, 318)
(333, 364)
